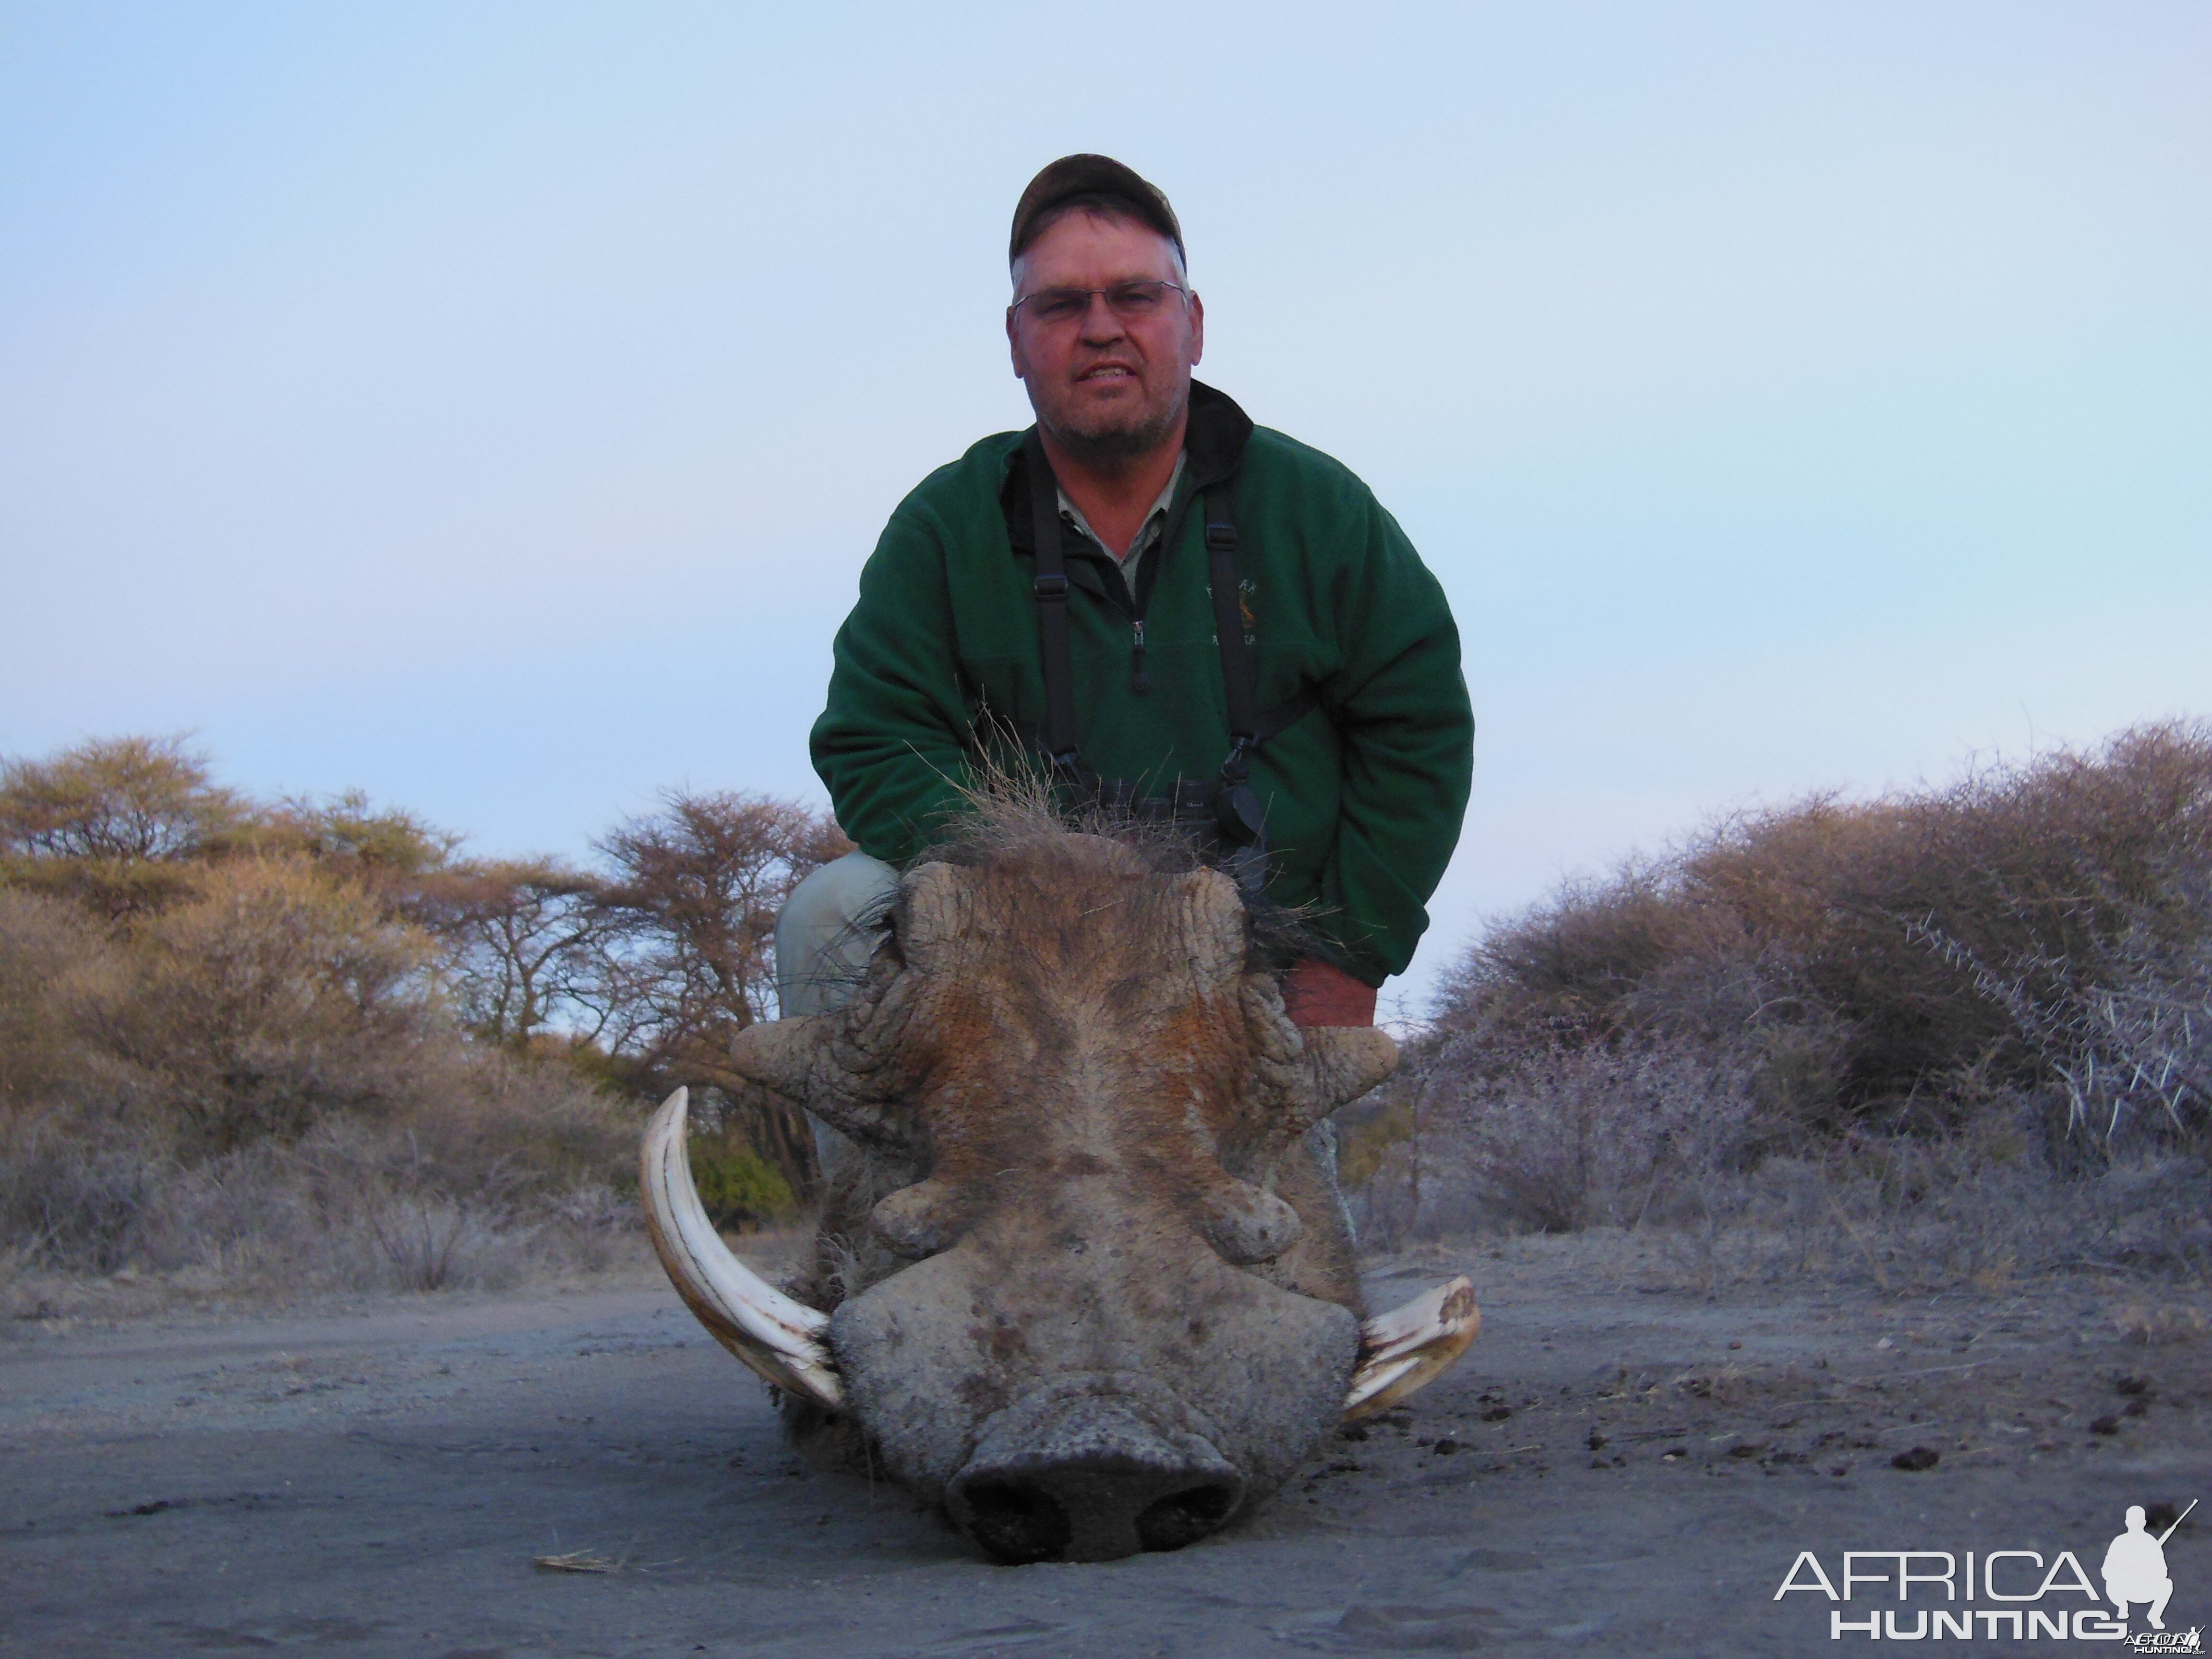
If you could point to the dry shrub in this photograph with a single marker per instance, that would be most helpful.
(1955, 1036)
(1908, 1214)
(2124, 1026)
(742, 1191)
(1659, 1135)
(260, 1087)
(518, 1169)
(275, 997)
(52, 957)
(1865, 925)
(1557, 1138)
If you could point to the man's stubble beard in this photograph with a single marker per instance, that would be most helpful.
(1116, 446)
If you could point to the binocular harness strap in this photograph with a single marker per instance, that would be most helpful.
(1050, 587)
(1232, 808)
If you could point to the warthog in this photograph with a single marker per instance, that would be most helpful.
(1087, 1284)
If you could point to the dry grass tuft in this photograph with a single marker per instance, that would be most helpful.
(2156, 1325)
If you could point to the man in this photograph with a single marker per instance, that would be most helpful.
(1092, 630)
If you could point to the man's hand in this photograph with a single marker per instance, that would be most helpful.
(1315, 993)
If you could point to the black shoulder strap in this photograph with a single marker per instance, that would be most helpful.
(1228, 628)
(1051, 590)
(1284, 714)
(1248, 727)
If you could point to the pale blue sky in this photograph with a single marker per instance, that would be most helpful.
(490, 406)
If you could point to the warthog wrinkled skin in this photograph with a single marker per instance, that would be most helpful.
(1093, 1289)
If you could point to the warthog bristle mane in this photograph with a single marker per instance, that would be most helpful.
(1009, 817)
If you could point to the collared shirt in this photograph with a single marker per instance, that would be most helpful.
(1155, 526)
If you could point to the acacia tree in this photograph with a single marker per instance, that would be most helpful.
(524, 938)
(386, 849)
(685, 957)
(115, 824)
(127, 827)
(653, 963)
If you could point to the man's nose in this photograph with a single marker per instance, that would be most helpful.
(1100, 325)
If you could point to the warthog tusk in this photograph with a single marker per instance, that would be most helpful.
(779, 1338)
(1410, 1347)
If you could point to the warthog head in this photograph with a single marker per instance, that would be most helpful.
(1091, 1291)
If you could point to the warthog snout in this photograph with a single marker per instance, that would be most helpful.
(1089, 1479)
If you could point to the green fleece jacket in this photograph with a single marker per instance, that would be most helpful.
(1364, 793)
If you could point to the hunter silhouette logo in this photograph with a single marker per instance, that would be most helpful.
(2135, 1566)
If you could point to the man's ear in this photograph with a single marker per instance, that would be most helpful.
(1197, 330)
(1014, 347)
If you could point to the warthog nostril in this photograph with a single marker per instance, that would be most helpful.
(1017, 1522)
(1184, 1518)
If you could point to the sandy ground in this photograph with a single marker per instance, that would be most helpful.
(1617, 1465)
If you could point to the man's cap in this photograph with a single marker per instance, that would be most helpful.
(1099, 177)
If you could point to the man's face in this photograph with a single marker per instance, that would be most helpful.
(1105, 386)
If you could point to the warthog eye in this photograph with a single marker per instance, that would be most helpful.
(1184, 1518)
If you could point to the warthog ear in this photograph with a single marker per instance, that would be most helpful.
(933, 907)
(1214, 920)
(1304, 1075)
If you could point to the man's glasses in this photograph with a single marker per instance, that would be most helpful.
(1128, 300)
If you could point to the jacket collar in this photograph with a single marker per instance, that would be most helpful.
(1213, 440)
(1216, 437)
